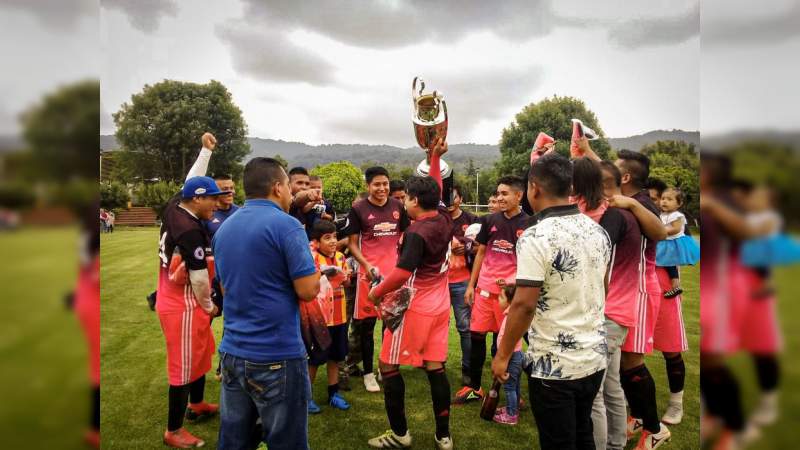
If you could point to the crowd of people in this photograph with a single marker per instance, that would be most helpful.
(574, 273)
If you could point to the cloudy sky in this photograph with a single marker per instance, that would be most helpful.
(326, 72)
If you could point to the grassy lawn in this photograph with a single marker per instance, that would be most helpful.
(45, 385)
(134, 402)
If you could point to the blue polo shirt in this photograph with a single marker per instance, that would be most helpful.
(220, 216)
(258, 252)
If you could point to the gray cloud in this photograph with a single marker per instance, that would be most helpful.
(144, 15)
(657, 31)
(470, 96)
(269, 55)
(58, 14)
(742, 28)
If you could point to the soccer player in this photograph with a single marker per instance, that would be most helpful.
(312, 216)
(608, 412)
(459, 277)
(495, 261)
(397, 190)
(421, 338)
(563, 261)
(639, 386)
(184, 299)
(303, 197)
(374, 229)
(225, 206)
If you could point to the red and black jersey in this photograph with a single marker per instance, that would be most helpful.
(424, 250)
(182, 230)
(379, 229)
(499, 234)
(460, 267)
(649, 260)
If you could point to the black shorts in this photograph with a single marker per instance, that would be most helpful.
(337, 351)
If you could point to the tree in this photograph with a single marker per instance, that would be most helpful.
(552, 116)
(159, 130)
(342, 181)
(677, 164)
(282, 160)
(62, 132)
(156, 195)
(113, 195)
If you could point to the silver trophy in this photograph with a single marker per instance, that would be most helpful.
(430, 124)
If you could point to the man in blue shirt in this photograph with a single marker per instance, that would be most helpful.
(265, 267)
(225, 205)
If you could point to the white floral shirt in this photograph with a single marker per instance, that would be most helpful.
(566, 254)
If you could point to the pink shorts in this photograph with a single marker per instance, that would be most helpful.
(364, 309)
(760, 330)
(670, 333)
(723, 297)
(640, 336)
(486, 312)
(418, 338)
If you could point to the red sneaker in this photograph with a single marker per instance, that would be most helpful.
(182, 439)
(197, 411)
(467, 394)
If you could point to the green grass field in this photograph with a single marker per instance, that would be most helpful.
(134, 402)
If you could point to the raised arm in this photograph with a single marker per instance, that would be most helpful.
(200, 166)
(435, 171)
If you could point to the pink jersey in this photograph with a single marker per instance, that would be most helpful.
(625, 280)
(499, 234)
(378, 229)
(648, 255)
(518, 346)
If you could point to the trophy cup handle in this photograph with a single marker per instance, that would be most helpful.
(414, 92)
(444, 106)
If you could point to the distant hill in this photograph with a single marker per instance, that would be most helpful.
(11, 143)
(637, 142)
(484, 155)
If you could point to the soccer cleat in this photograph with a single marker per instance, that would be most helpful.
(634, 427)
(728, 440)
(391, 440)
(151, 301)
(92, 438)
(502, 416)
(650, 441)
(313, 408)
(181, 438)
(338, 402)
(674, 413)
(197, 411)
(370, 383)
(445, 443)
(467, 394)
(766, 413)
(674, 292)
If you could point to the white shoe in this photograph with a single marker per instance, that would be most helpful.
(766, 413)
(444, 443)
(370, 383)
(391, 440)
(652, 441)
(674, 413)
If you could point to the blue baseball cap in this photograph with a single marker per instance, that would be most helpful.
(199, 187)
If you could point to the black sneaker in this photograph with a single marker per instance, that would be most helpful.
(151, 301)
(674, 292)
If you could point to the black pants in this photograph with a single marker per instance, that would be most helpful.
(563, 411)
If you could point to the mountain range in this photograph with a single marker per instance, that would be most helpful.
(483, 155)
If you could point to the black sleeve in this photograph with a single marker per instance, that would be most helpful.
(412, 252)
(193, 249)
(483, 235)
(329, 208)
(404, 220)
(353, 223)
(614, 224)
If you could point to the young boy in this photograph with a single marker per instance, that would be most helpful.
(323, 239)
(495, 261)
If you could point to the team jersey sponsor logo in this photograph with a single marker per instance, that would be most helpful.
(503, 246)
(384, 229)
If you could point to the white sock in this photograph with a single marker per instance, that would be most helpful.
(769, 398)
(676, 397)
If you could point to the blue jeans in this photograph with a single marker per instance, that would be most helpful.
(277, 392)
(462, 313)
(511, 387)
